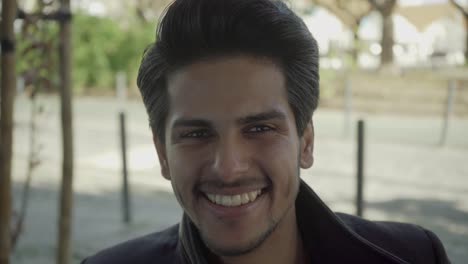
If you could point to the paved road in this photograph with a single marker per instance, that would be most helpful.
(408, 176)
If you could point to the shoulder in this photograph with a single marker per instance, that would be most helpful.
(410, 242)
(159, 247)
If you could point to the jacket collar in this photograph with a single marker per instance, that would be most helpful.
(326, 237)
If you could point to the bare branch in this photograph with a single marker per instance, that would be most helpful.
(385, 7)
(357, 10)
(462, 9)
(349, 12)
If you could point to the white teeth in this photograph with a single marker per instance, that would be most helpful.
(226, 200)
(236, 200)
(233, 200)
(252, 195)
(245, 198)
(217, 199)
(211, 196)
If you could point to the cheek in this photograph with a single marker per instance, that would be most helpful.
(182, 176)
(186, 161)
(280, 161)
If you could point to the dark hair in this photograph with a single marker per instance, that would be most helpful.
(193, 30)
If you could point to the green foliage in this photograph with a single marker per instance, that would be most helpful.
(101, 48)
(37, 56)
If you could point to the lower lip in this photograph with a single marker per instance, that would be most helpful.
(233, 211)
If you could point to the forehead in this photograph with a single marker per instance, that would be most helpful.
(229, 87)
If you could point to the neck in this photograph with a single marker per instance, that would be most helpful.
(284, 245)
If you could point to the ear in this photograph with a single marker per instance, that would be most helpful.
(162, 155)
(307, 146)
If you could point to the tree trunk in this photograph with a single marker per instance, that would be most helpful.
(385, 8)
(66, 193)
(464, 11)
(8, 87)
(356, 46)
(386, 57)
(466, 38)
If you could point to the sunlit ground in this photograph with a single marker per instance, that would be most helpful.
(408, 175)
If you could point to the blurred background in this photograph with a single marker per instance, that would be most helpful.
(399, 66)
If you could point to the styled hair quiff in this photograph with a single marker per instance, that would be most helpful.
(193, 30)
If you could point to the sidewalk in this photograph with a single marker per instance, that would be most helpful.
(407, 177)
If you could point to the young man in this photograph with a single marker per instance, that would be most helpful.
(230, 87)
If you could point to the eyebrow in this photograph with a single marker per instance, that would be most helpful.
(182, 122)
(253, 118)
(273, 114)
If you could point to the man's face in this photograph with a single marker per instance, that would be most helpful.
(232, 151)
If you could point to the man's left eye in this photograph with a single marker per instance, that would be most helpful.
(258, 129)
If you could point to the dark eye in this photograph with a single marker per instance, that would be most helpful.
(259, 129)
(202, 133)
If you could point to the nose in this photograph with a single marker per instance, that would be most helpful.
(231, 159)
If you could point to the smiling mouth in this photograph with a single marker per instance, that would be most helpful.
(234, 200)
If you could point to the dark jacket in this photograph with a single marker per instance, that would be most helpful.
(329, 237)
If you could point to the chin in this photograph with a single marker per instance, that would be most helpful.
(232, 250)
(237, 247)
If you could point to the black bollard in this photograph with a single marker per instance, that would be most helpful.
(125, 189)
(360, 168)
